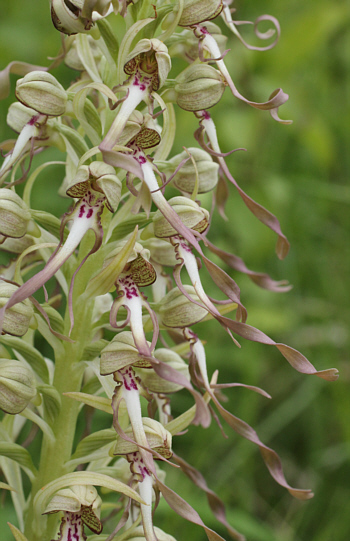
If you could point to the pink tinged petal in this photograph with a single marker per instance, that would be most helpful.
(184, 510)
(270, 457)
(261, 279)
(226, 15)
(260, 212)
(277, 98)
(168, 373)
(294, 357)
(216, 504)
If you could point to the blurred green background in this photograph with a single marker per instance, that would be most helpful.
(300, 173)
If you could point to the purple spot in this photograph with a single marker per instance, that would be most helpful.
(33, 120)
(69, 538)
(206, 115)
(89, 213)
(142, 159)
(143, 87)
(203, 30)
(82, 211)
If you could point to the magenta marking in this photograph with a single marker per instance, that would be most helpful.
(89, 213)
(81, 211)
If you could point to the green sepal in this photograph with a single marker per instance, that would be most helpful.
(29, 353)
(103, 282)
(56, 320)
(20, 455)
(94, 349)
(97, 402)
(75, 140)
(52, 401)
(49, 222)
(108, 37)
(125, 228)
(93, 442)
(19, 536)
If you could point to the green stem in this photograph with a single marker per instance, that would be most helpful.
(68, 376)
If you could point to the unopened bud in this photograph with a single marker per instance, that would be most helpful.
(41, 91)
(17, 386)
(100, 177)
(162, 251)
(199, 87)
(197, 11)
(121, 352)
(155, 383)
(17, 318)
(207, 170)
(151, 57)
(189, 212)
(14, 214)
(176, 310)
(73, 60)
(157, 436)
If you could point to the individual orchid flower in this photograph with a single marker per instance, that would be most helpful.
(80, 506)
(118, 358)
(147, 66)
(94, 186)
(159, 440)
(207, 42)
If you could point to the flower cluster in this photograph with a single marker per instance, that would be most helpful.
(122, 266)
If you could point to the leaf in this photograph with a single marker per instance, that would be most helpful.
(94, 441)
(50, 222)
(108, 37)
(97, 402)
(29, 353)
(104, 281)
(20, 455)
(5, 486)
(74, 139)
(125, 228)
(19, 536)
(87, 115)
(52, 401)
